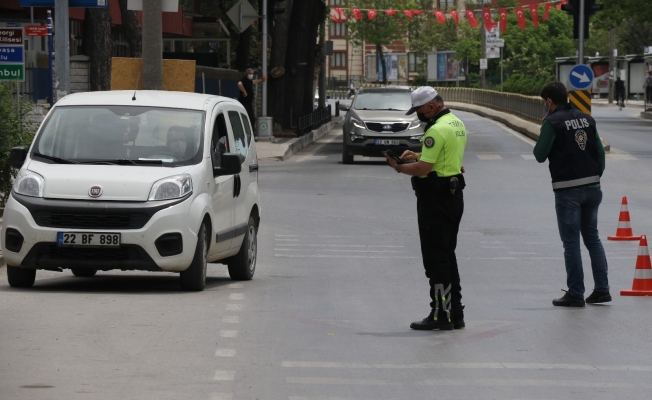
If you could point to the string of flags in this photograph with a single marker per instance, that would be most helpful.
(337, 14)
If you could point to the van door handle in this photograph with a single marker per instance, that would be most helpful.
(253, 168)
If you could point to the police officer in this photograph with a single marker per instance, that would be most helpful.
(570, 141)
(438, 182)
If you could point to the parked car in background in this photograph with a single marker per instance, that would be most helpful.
(376, 122)
(167, 181)
(326, 102)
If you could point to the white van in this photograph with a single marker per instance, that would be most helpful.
(163, 181)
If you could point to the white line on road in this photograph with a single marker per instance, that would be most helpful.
(221, 396)
(236, 296)
(233, 307)
(225, 353)
(224, 375)
(231, 319)
(337, 245)
(528, 156)
(235, 285)
(228, 333)
(346, 250)
(489, 157)
(338, 256)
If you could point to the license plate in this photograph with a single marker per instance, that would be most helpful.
(386, 142)
(86, 239)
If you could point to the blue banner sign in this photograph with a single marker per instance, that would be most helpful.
(12, 54)
(71, 3)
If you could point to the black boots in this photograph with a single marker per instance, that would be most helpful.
(431, 322)
(568, 301)
(598, 297)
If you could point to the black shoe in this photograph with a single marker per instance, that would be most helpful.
(459, 323)
(598, 296)
(568, 301)
(430, 323)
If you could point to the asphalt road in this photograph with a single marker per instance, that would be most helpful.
(339, 279)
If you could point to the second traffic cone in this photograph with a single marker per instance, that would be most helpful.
(642, 285)
(624, 230)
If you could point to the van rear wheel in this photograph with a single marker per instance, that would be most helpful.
(21, 277)
(243, 265)
(84, 272)
(194, 278)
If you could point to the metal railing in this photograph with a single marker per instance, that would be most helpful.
(313, 120)
(530, 108)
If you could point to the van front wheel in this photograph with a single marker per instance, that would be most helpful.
(243, 265)
(194, 278)
(21, 277)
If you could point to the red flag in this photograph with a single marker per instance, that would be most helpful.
(356, 13)
(371, 14)
(503, 19)
(456, 16)
(520, 16)
(486, 15)
(408, 13)
(471, 17)
(560, 4)
(441, 18)
(547, 12)
(534, 13)
(338, 14)
(390, 12)
(417, 12)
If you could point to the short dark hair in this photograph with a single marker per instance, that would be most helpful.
(555, 91)
(439, 99)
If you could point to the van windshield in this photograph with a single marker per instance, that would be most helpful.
(124, 135)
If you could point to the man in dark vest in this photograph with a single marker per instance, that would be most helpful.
(570, 141)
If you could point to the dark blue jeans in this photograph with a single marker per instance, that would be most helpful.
(577, 212)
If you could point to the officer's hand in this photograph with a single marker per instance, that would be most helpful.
(390, 161)
(409, 155)
(463, 169)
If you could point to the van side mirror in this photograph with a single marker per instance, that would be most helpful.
(17, 157)
(230, 165)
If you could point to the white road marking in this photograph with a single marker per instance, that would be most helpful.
(228, 333)
(335, 245)
(336, 381)
(489, 157)
(620, 157)
(347, 250)
(513, 132)
(338, 256)
(303, 158)
(231, 319)
(221, 396)
(287, 235)
(236, 296)
(287, 240)
(233, 307)
(235, 285)
(372, 177)
(225, 353)
(224, 375)
(528, 156)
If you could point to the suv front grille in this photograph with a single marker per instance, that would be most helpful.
(382, 127)
(91, 221)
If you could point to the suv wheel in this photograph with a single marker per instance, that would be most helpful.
(84, 272)
(347, 158)
(194, 278)
(243, 265)
(21, 277)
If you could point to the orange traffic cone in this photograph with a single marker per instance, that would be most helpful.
(624, 230)
(642, 285)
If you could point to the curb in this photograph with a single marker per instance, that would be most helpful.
(646, 115)
(529, 129)
(303, 141)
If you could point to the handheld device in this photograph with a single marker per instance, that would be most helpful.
(394, 156)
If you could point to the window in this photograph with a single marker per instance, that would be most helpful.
(338, 29)
(245, 121)
(414, 62)
(445, 5)
(238, 135)
(336, 2)
(338, 60)
(220, 141)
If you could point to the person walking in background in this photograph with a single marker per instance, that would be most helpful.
(351, 87)
(246, 97)
(620, 92)
(648, 87)
(570, 142)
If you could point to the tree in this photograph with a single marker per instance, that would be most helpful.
(132, 30)
(98, 45)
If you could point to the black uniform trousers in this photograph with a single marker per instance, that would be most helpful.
(439, 215)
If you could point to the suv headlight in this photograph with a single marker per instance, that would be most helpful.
(172, 187)
(358, 124)
(415, 124)
(29, 183)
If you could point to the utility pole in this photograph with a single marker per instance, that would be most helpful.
(322, 70)
(580, 40)
(152, 52)
(483, 45)
(612, 64)
(61, 48)
(264, 58)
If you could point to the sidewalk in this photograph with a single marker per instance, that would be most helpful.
(283, 148)
(605, 103)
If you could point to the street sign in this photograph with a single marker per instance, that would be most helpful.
(36, 30)
(495, 42)
(71, 3)
(581, 77)
(12, 54)
(12, 72)
(242, 14)
(580, 100)
(11, 36)
(493, 52)
(483, 63)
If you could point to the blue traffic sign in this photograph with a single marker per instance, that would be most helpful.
(581, 77)
(71, 3)
(12, 54)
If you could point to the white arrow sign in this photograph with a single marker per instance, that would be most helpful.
(583, 77)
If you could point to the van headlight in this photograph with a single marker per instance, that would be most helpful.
(29, 183)
(172, 187)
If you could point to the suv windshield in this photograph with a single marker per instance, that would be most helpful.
(400, 101)
(125, 135)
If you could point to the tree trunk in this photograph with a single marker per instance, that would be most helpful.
(132, 29)
(243, 51)
(276, 86)
(383, 66)
(98, 45)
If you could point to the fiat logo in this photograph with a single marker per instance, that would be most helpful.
(387, 127)
(95, 191)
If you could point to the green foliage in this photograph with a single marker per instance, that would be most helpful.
(526, 84)
(14, 131)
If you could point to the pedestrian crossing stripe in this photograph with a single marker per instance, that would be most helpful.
(581, 100)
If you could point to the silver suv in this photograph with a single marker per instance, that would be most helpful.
(376, 122)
